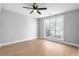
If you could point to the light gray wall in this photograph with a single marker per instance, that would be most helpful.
(0, 23)
(17, 27)
(0, 27)
(71, 26)
(78, 29)
(40, 28)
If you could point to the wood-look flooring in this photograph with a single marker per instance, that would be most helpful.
(38, 47)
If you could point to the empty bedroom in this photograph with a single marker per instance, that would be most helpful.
(39, 29)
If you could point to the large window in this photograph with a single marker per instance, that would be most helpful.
(54, 27)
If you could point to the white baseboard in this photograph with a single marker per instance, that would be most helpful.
(9, 43)
(67, 43)
(0, 45)
(31, 38)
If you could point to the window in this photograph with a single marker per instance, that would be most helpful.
(54, 27)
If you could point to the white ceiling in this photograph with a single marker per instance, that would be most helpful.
(52, 8)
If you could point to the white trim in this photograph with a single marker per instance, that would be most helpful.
(9, 43)
(32, 38)
(63, 42)
(0, 45)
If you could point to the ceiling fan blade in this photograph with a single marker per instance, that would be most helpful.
(28, 7)
(42, 8)
(34, 3)
(31, 12)
(38, 12)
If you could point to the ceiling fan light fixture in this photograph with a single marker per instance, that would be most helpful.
(35, 10)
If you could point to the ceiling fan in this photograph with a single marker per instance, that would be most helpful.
(35, 7)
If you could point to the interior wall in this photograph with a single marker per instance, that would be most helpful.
(17, 27)
(78, 29)
(71, 26)
(40, 28)
(0, 27)
(0, 23)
